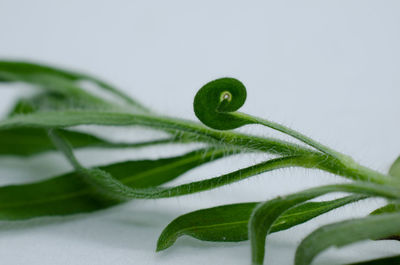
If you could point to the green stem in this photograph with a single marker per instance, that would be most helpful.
(193, 131)
(110, 186)
(295, 134)
(190, 130)
(142, 144)
(65, 147)
(336, 163)
(362, 173)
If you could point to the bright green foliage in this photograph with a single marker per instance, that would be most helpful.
(390, 208)
(55, 79)
(31, 141)
(395, 168)
(28, 141)
(70, 193)
(51, 101)
(266, 214)
(230, 222)
(12, 71)
(345, 233)
(42, 123)
(394, 171)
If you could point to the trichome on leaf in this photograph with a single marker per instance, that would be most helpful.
(44, 122)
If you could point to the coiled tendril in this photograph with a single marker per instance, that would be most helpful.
(216, 102)
(215, 105)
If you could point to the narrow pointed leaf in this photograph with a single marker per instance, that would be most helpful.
(395, 168)
(345, 233)
(391, 207)
(30, 141)
(266, 214)
(54, 101)
(22, 106)
(54, 85)
(11, 71)
(44, 75)
(70, 194)
(230, 222)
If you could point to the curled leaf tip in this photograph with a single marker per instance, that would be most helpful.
(216, 102)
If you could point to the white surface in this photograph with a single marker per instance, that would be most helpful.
(327, 68)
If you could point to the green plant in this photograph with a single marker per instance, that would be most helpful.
(42, 123)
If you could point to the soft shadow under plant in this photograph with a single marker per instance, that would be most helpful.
(44, 122)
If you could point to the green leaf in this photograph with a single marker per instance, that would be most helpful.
(54, 101)
(230, 222)
(395, 168)
(70, 193)
(267, 213)
(382, 261)
(31, 141)
(54, 85)
(222, 223)
(390, 208)
(48, 76)
(345, 233)
(22, 106)
(11, 71)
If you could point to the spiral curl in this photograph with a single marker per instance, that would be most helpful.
(216, 102)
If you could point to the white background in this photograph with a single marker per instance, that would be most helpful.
(327, 68)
